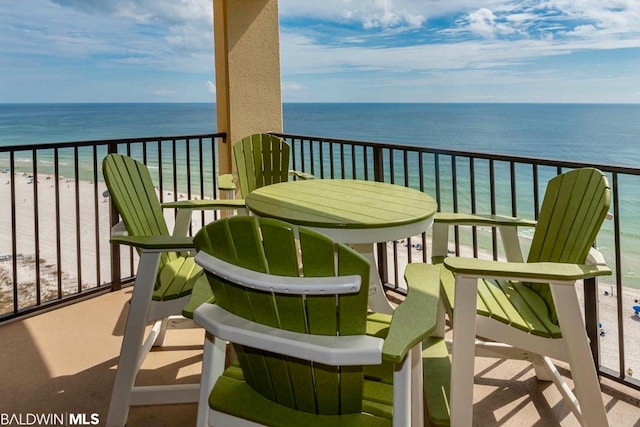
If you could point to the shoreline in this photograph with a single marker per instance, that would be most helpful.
(67, 267)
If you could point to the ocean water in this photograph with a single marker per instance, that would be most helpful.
(607, 134)
(44, 123)
(603, 134)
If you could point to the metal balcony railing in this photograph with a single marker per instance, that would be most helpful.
(56, 219)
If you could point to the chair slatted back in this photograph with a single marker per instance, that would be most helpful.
(270, 246)
(574, 206)
(131, 189)
(261, 160)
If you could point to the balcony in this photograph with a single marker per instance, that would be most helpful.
(61, 359)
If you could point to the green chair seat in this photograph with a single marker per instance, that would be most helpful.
(233, 396)
(176, 279)
(182, 277)
(513, 304)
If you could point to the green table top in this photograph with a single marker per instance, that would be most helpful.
(338, 203)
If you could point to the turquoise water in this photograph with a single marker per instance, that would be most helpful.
(604, 134)
(592, 133)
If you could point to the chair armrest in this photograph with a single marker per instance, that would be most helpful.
(156, 243)
(508, 227)
(416, 318)
(301, 175)
(481, 220)
(205, 204)
(329, 350)
(226, 182)
(538, 272)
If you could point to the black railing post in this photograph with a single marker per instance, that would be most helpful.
(591, 317)
(378, 175)
(114, 218)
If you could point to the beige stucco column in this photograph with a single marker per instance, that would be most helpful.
(247, 66)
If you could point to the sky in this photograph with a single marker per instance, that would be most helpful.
(575, 51)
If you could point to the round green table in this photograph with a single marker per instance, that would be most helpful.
(356, 212)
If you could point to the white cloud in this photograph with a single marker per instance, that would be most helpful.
(157, 11)
(485, 18)
(369, 14)
(301, 55)
(583, 30)
(163, 92)
(612, 15)
(390, 40)
(385, 14)
(291, 86)
(158, 35)
(482, 22)
(357, 10)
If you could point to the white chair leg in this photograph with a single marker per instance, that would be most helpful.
(583, 371)
(213, 364)
(402, 392)
(159, 341)
(570, 399)
(132, 339)
(463, 352)
(417, 398)
(540, 368)
(210, 374)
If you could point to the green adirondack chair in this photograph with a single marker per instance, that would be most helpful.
(261, 159)
(296, 313)
(167, 281)
(528, 310)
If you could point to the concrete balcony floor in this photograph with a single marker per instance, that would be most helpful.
(64, 361)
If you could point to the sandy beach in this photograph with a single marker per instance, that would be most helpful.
(91, 240)
(50, 237)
